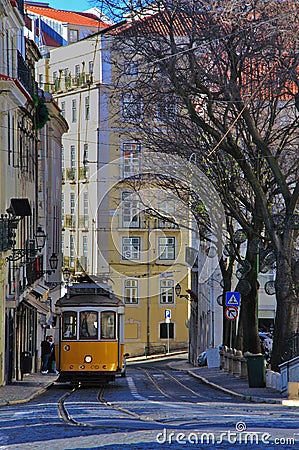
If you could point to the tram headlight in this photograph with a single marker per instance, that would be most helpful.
(88, 358)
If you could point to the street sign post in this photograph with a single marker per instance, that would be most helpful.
(232, 299)
(167, 315)
(231, 312)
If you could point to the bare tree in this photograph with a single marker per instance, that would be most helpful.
(220, 79)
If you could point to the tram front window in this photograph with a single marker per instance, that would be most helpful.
(108, 325)
(88, 325)
(69, 325)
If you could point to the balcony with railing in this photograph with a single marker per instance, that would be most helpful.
(34, 269)
(25, 75)
(68, 82)
(83, 173)
(166, 224)
(70, 174)
(69, 221)
(84, 222)
(75, 264)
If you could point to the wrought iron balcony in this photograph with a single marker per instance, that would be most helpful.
(25, 75)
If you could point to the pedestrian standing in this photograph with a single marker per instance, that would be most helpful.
(52, 360)
(45, 354)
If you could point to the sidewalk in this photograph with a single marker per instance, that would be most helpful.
(33, 384)
(230, 384)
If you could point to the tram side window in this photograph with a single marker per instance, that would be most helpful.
(88, 325)
(69, 325)
(108, 325)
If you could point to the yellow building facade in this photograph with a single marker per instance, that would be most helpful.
(107, 232)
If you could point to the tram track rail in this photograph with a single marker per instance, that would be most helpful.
(149, 374)
(63, 413)
(162, 391)
(68, 419)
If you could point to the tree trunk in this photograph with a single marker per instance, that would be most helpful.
(248, 337)
(287, 318)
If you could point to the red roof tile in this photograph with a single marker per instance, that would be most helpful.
(71, 17)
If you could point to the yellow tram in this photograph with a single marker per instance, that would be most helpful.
(91, 334)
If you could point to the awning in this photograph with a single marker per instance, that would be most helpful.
(42, 308)
(40, 291)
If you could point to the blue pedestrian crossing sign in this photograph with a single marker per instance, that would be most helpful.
(167, 313)
(233, 299)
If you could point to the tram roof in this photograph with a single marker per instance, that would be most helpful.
(89, 294)
(89, 300)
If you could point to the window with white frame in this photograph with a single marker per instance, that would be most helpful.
(62, 159)
(131, 108)
(131, 248)
(72, 251)
(131, 291)
(85, 203)
(85, 155)
(73, 35)
(72, 205)
(168, 209)
(130, 210)
(74, 110)
(41, 81)
(73, 157)
(166, 110)
(87, 108)
(62, 106)
(166, 247)
(90, 67)
(131, 158)
(131, 68)
(167, 291)
(77, 71)
(62, 207)
(85, 247)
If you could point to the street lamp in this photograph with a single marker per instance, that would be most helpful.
(40, 238)
(53, 260)
(178, 289)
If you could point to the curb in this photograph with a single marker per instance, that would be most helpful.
(30, 397)
(248, 398)
(151, 357)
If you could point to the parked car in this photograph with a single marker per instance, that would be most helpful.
(202, 359)
(266, 344)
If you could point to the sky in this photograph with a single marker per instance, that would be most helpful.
(71, 5)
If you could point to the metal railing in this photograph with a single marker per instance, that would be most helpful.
(25, 75)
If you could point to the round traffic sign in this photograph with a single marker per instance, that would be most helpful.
(231, 312)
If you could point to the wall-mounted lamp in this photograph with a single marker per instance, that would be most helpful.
(53, 260)
(40, 238)
(178, 289)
